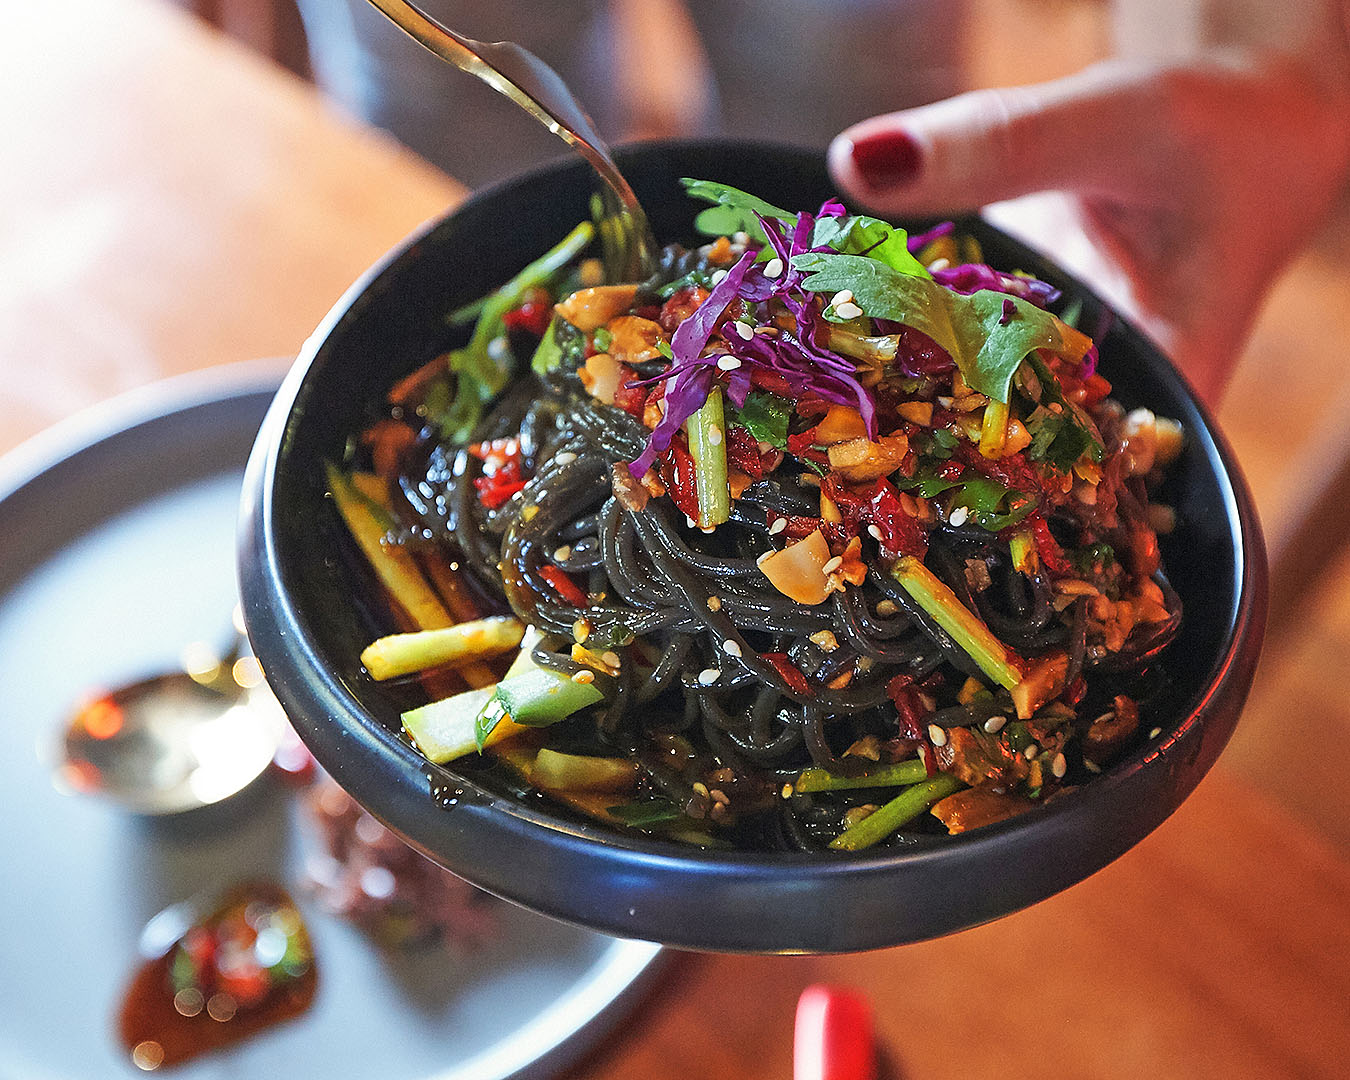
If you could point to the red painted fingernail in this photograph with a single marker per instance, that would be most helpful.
(887, 159)
(833, 1039)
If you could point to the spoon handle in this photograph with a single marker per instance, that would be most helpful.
(521, 76)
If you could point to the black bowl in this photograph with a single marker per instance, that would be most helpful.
(308, 625)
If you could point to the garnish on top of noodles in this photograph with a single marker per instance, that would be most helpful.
(822, 534)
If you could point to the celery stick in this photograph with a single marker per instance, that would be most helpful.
(707, 430)
(994, 658)
(894, 775)
(904, 808)
(446, 729)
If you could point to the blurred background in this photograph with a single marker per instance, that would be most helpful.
(800, 71)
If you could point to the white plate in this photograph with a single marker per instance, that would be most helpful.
(116, 547)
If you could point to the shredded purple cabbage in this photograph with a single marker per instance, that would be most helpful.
(803, 364)
(969, 278)
(917, 243)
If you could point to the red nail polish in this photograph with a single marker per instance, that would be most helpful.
(887, 159)
(833, 1038)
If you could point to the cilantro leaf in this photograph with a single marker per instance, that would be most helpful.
(766, 417)
(993, 505)
(986, 346)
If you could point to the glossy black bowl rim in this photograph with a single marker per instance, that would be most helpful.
(713, 899)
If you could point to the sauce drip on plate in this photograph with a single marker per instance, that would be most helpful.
(245, 967)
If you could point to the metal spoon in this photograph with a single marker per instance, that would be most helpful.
(176, 741)
(521, 76)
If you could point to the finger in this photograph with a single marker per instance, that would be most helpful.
(1092, 133)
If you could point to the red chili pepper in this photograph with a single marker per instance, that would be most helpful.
(797, 527)
(743, 451)
(632, 399)
(877, 503)
(493, 491)
(564, 586)
(904, 695)
(950, 470)
(532, 315)
(772, 382)
(680, 481)
(802, 446)
(788, 672)
(1047, 547)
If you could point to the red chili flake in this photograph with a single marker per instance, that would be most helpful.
(564, 586)
(743, 451)
(905, 696)
(682, 303)
(678, 477)
(632, 399)
(1014, 472)
(788, 672)
(1047, 547)
(951, 470)
(772, 382)
(878, 503)
(493, 491)
(532, 315)
(802, 446)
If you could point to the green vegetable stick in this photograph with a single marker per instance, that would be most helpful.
(402, 654)
(707, 430)
(894, 775)
(994, 658)
(904, 808)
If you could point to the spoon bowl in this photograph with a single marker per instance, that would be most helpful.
(171, 743)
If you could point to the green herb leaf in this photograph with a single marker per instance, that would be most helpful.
(859, 234)
(972, 329)
(646, 812)
(992, 505)
(734, 210)
(766, 417)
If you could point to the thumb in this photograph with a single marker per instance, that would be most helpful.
(1084, 133)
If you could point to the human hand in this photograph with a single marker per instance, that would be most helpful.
(1195, 182)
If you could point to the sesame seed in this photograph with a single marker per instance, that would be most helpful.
(690, 522)
(499, 348)
(584, 676)
(778, 525)
(843, 296)
(1091, 766)
(714, 603)
(740, 237)
(715, 435)
(886, 608)
(788, 791)
(708, 676)
(563, 553)
(731, 648)
(833, 565)
(773, 267)
(1155, 733)
(848, 311)
(958, 516)
(729, 363)
(743, 330)
(1030, 751)
(939, 264)
(700, 788)
(610, 659)
(874, 532)
(581, 630)
(1059, 766)
(718, 276)
(936, 735)
(565, 458)
(995, 724)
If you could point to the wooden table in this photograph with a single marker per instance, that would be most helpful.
(169, 204)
